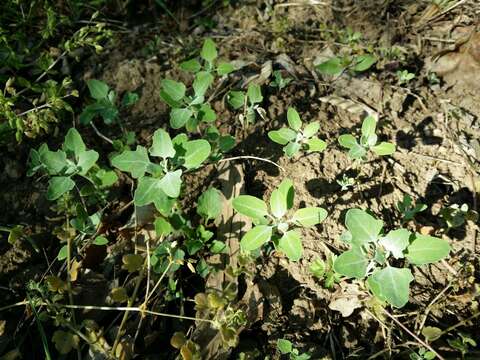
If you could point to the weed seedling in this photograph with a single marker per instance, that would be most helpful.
(286, 348)
(368, 141)
(272, 226)
(346, 182)
(279, 81)
(324, 271)
(296, 137)
(408, 210)
(250, 102)
(370, 252)
(403, 76)
(354, 64)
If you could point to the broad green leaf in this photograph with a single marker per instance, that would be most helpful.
(162, 227)
(59, 185)
(73, 142)
(98, 89)
(315, 144)
(291, 244)
(309, 216)
(225, 68)
(368, 126)
(206, 113)
(100, 241)
(168, 100)
(226, 143)
(254, 93)
(294, 120)
(364, 62)
(256, 237)
(384, 148)
(135, 162)
(129, 98)
(392, 285)
(191, 65)
(311, 129)
(171, 183)
(209, 51)
(202, 82)
(284, 346)
(65, 341)
(278, 203)
(333, 67)
(363, 226)
(286, 188)
(54, 161)
(357, 152)
(179, 117)
(162, 145)
(236, 99)
(347, 141)
(427, 249)
(432, 333)
(150, 190)
(396, 241)
(174, 89)
(86, 160)
(351, 263)
(62, 253)
(192, 124)
(196, 151)
(282, 136)
(210, 204)
(250, 206)
(318, 268)
(291, 149)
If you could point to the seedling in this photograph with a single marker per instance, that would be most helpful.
(368, 141)
(455, 215)
(354, 64)
(463, 343)
(250, 102)
(273, 226)
(403, 76)
(221, 144)
(408, 210)
(279, 81)
(160, 183)
(370, 252)
(346, 182)
(324, 271)
(286, 348)
(105, 103)
(295, 138)
(423, 354)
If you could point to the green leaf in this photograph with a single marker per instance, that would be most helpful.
(311, 129)
(236, 99)
(318, 268)
(396, 241)
(351, 263)
(315, 144)
(171, 183)
(135, 162)
(226, 143)
(392, 285)
(206, 113)
(162, 227)
(196, 151)
(73, 142)
(384, 148)
(427, 249)
(347, 141)
(62, 253)
(191, 65)
(284, 346)
(210, 204)
(225, 68)
(368, 126)
(432, 333)
(148, 190)
(291, 244)
(202, 82)
(175, 90)
(162, 145)
(294, 120)
(282, 136)
(363, 226)
(254, 93)
(86, 160)
(291, 149)
(286, 188)
(65, 341)
(54, 161)
(209, 51)
(364, 62)
(357, 152)
(100, 241)
(333, 66)
(129, 98)
(59, 185)
(179, 117)
(282, 198)
(98, 89)
(250, 206)
(309, 216)
(256, 237)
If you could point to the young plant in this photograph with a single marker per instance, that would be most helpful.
(296, 137)
(286, 348)
(279, 81)
(408, 210)
(371, 251)
(105, 103)
(403, 76)
(160, 183)
(346, 182)
(221, 144)
(250, 102)
(368, 141)
(455, 216)
(274, 226)
(354, 64)
(324, 271)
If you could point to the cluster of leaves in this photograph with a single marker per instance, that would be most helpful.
(273, 226)
(353, 63)
(408, 210)
(249, 101)
(297, 137)
(370, 251)
(286, 348)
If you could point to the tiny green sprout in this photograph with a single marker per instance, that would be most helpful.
(324, 271)
(455, 216)
(368, 141)
(346, 182)
(273, 225)
(408, 210)
(104, 105)
(279, 81)
(423, 354)
(249, 101)
(297, 137)
(371, 248)
(286, 348)
(354, 64)
(160, 183)
(403, 76)
(463, 343)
